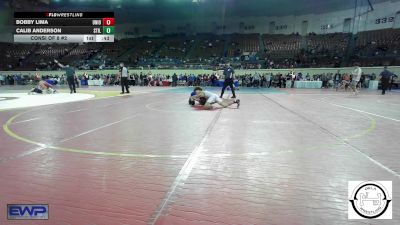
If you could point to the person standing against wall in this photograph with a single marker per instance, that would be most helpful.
(256, 80)
(137, 80)
(70, 73)
(292, 78)
(174, 80)
(229, 77)
(337, 78)
(355, 78)
(123, 74)
(268, 80)
(2, 79)
(392, 82)
(385, 78)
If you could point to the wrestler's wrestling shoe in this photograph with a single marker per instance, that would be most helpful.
(238, 103)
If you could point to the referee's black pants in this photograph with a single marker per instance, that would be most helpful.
(385, 84)
(71, 84)
(124, 84)
(228, 82)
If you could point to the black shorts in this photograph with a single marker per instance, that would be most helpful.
(37, 90)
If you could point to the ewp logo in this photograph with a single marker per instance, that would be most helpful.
(28, 212)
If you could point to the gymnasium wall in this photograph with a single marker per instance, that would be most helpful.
(318, 23)
(311, 71)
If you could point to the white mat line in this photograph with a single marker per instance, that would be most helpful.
(23, 121)
(98, 128)
(78, 110)
(358, 110)
(42, 146)
(185, 171)
(356, 149)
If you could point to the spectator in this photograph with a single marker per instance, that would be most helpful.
(337, 79)
(392, 82)
(2, 79)
(256, 80)
(385, 78)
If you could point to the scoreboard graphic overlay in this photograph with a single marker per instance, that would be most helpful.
(63, 27)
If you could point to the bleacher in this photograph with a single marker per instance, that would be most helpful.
(208, 46)
(323, 50)
(142, 49)
(243, 43)
(335, 42)
(175, 47)
(378, 42)
(281, 46)
(326, 50)
(121, 50)
(378, 47)
(12, 55)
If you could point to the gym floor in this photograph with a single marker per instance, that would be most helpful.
(284, 157)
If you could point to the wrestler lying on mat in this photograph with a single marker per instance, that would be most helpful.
(201, 101)
(43, 86)
(212, 98)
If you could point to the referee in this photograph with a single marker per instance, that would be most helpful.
(385, 78)
(229, 77)
(70, 72)
(123, 73)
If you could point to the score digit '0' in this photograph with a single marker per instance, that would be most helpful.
(108, 21)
